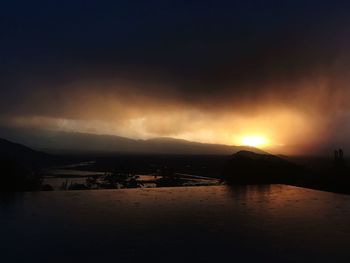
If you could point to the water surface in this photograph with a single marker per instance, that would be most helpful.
(210, 223)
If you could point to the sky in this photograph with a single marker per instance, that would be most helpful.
(273, 73)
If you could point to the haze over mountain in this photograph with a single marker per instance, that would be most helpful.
(52, 141)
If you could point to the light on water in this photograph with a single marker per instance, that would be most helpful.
(245, 223)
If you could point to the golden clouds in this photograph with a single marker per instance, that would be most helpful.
(275, 117)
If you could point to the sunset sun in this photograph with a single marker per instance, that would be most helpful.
(254, 141)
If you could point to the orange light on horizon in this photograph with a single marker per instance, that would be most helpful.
(254, 141)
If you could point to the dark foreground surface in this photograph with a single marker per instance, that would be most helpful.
(274, 223)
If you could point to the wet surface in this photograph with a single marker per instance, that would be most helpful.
(203, 224)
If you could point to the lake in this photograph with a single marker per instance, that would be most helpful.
(274, 223)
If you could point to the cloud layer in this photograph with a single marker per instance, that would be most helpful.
(195, 70)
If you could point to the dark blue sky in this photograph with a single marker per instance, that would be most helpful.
(178, 37)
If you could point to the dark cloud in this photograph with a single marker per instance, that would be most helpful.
(127, 61)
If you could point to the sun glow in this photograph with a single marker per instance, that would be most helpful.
(254, 141)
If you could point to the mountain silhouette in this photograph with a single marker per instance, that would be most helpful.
(23, 155)
(246, 167)
(21, 167)
(84, 142)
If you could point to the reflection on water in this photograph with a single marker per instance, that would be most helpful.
(277, 223)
